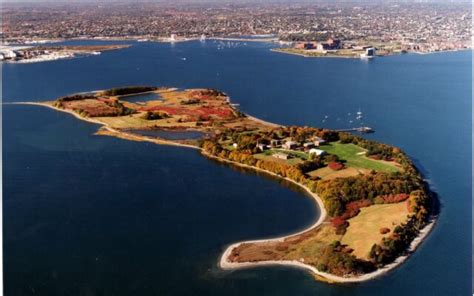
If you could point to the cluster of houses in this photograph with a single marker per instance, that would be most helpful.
(290, 145)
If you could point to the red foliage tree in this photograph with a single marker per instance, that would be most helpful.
(334, 165)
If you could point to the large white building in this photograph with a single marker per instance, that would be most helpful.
(318, 152)
(9, 54)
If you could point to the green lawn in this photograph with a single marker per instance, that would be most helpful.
(354, 157)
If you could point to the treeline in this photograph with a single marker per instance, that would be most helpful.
(118, 109)
(154, 115)
(337, 193)
(121, 91)
(246, 157)
(337, 259)
(209, 92)
(59, 101)
(343, 197)
(375, 149)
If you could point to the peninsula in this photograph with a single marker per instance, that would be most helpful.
(375, 207)
(34, 54)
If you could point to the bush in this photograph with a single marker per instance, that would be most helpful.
(128, 90)
(336, 166)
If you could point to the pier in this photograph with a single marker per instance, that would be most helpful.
(362, 129)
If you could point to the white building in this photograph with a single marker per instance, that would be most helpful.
(262, 147)
(290, 145)
(281, 155)
(318, 141)
(10, 54)
(318, 152)
(369, 53)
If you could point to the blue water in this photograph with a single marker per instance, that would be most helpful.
(145, 97)
(93, 215)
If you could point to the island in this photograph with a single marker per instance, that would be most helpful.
(375, 207)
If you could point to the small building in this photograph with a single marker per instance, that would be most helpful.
(333, 43)
(10, 54)
(309, 45)
(318, 152)
(321, 47)
(318, 141)
(289, 145)
(275, 143)
(370, 52)
(262, 147)
(305, 45)
(280, 155)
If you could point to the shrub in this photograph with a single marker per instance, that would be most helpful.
(335, 166)
(128, 90)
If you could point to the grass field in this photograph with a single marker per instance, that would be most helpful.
(268, 156)
(327, 173)
(307, 247)
(364, 229)
(300, 154)
(354, 157)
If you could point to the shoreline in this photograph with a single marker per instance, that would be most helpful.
(224, 263)
(65, 53)
(277, 50)
(310, 56)
(258, 38)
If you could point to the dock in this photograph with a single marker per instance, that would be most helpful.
(362, 129)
